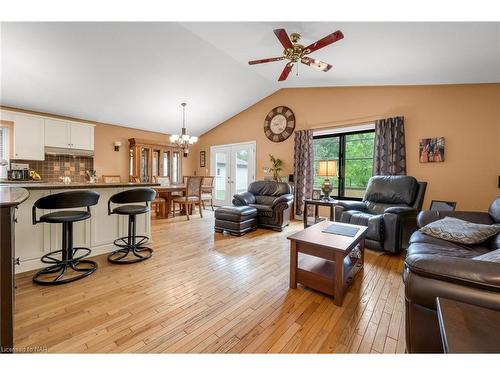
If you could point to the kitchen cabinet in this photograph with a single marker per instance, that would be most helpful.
(65, 134)
(57, 133)
(29, 137)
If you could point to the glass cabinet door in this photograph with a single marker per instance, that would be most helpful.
(156, 163)
(166, 163)
(176, 166)
(145, 162)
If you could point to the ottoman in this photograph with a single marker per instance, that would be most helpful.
(237, 220)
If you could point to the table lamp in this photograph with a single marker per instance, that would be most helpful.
(327, 168)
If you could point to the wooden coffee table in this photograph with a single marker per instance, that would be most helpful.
(326, 262)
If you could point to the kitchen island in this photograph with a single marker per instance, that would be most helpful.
(10, 198)
(97, 233)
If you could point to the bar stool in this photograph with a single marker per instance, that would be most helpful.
(69, 257)
(129, 244)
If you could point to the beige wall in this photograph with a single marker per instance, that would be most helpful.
(468, 116)
(107, 161)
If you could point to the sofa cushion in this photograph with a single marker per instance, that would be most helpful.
(421, 248)
(263, 210)
(265, 200)
(492, 256)
(391, 189)
(461, 231)
(375, 223)
(379, 208)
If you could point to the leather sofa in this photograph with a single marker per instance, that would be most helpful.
(438, 268)
(273, 201)
(389, 209)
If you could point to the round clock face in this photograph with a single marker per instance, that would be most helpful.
(279, 124)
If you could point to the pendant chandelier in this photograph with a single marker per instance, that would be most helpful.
(183, 140)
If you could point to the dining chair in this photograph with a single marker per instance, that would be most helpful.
(162, 180)
(207, 191)
(192, 195)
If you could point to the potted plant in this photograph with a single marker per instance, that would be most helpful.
(276, 167)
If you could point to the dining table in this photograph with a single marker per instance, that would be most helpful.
(166, 192)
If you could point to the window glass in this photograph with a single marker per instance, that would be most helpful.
(353, 154)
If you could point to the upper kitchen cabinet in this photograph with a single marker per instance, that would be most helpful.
(29, 137)
(65, 134)
(82, 136)
(57, 133)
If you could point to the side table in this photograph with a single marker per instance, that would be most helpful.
(316, 203)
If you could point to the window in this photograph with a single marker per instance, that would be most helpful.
(4, 143)
(353, 153)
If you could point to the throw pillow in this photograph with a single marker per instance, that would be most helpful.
(492, 256)
(461, 231)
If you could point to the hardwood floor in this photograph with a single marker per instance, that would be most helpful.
(205, 292)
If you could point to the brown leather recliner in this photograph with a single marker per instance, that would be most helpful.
(389, 209)
(272, 200)
(438, 268)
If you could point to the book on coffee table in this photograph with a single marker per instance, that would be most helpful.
(341, 230)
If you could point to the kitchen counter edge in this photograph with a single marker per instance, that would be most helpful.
(55, 185)
(12, 196)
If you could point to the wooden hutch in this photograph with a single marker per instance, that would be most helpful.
(148, 159)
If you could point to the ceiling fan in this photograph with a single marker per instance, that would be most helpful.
(295, 52)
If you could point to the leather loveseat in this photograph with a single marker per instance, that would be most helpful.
(438, 268)
(273, 201)
(389, 209)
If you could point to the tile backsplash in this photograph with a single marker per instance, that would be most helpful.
(55, 166)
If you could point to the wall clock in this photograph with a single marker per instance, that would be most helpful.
(279, 124)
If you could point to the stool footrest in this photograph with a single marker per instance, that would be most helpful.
(130, 253)
(63, 271)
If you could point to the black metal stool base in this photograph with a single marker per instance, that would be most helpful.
(138, 252)
(58, 272)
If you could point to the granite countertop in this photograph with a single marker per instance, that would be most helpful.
(12, 196)
(74, 185)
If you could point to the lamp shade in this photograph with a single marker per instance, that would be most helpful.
(327, 168)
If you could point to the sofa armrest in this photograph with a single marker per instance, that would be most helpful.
(285, 198)
(352, 205)
(406, 211)
(426, 217)
(469, 272)
(243, 199)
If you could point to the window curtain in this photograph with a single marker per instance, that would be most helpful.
(389, 157)
(303, 168)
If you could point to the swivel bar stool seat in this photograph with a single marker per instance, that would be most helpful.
(65, 262)
(131, 247)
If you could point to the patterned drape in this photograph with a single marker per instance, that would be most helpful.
(303, 168)
(389, 156)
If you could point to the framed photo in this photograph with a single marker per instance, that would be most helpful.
(443, 206)
(316, 194)
(202, 158)
(431, 150)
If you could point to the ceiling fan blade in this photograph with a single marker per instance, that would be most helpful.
(327, 40)
(286, 71)
(321, 65)
(253, 62)
(283, 38)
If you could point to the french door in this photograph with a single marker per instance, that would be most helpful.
(234, 168)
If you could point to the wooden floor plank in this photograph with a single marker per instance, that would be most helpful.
(212, 293)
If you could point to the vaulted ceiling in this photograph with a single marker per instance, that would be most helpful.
(137, 74)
